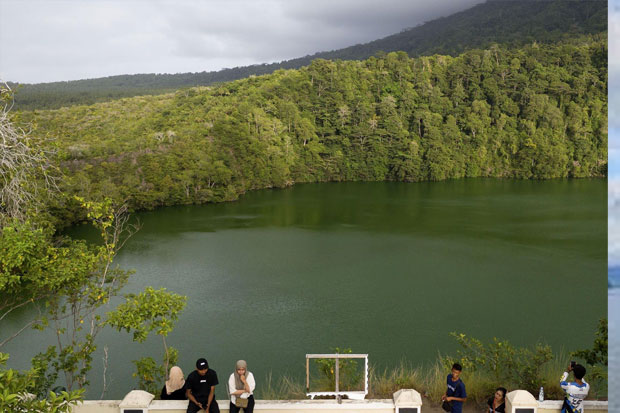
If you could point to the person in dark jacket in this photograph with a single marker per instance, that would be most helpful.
(200, 388)
(174, 389)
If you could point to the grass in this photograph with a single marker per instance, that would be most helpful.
(430, 382)
(384, 383)
(283, 388)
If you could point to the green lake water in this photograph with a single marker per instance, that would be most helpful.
(388, 269)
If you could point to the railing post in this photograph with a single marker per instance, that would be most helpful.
(307, 374)
(338, 380)
(337, 375)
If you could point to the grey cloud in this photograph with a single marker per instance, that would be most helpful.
(62, 40)
(267, 31)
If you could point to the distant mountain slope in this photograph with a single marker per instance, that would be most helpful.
(507, 22)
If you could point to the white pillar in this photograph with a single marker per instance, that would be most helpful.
(407, 401)
(136, 400)
(521, 401)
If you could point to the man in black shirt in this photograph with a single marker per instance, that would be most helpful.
(200, 386)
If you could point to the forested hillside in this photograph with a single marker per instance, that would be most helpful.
(534, 112)
(513, 23)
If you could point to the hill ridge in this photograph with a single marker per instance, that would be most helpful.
(510, 22)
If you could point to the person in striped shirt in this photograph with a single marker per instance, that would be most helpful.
(576, 391)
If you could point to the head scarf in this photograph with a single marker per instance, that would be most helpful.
(175, 381)
(238, 383)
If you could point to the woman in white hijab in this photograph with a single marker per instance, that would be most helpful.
(174, 389)
(241, 386)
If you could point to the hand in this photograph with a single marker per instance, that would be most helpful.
(242, 378)
(443, 397)
(570, 368)
(200, 405)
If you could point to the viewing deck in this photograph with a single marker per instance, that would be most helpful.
(405, 400)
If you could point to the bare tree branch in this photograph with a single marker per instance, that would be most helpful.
(17, 333)
(105, 370)
(26, 172)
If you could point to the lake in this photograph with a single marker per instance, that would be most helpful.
(388, 269)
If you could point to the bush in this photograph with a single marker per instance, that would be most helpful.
(349, 378)
(504, 364)
(16, 393)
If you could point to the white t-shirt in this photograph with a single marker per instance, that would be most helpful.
(232, 389)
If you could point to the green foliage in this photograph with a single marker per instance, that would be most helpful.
(514, 367)
(93, 282)
(66, 281)
(151, 374)
(349, 377)
(596, 358)
(151, 310)
(535, 112)
(32, 266)
(17, 393)
(598, 353)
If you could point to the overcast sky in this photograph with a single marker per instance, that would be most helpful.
(51, 40)
(614, 90)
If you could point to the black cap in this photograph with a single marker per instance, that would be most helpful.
(201, 364)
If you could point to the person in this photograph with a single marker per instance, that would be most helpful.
(455, 393)
(241, 384)
(200, 385)
(497, 403)
(174, 388)
(576, 390)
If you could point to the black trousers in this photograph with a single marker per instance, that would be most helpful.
(249, 409)
(193, 408)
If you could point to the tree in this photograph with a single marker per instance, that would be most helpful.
(151, 310)
(34, 268)
(93, 282)
(596, 357)
(518, 367)
(25, 170)
(598, 353)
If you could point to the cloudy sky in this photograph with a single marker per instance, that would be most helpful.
(614, 89)
(614, 134)
(51, 40)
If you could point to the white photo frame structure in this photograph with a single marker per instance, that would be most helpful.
(354, 395)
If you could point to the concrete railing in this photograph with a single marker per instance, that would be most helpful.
(404, 401)
(263, 406)
(589, 406)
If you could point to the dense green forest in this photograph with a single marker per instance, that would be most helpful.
(512, 23)
(539, 112)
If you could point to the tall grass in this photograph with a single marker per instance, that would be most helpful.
(384, 383)
(430, 382)
(283, 388)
